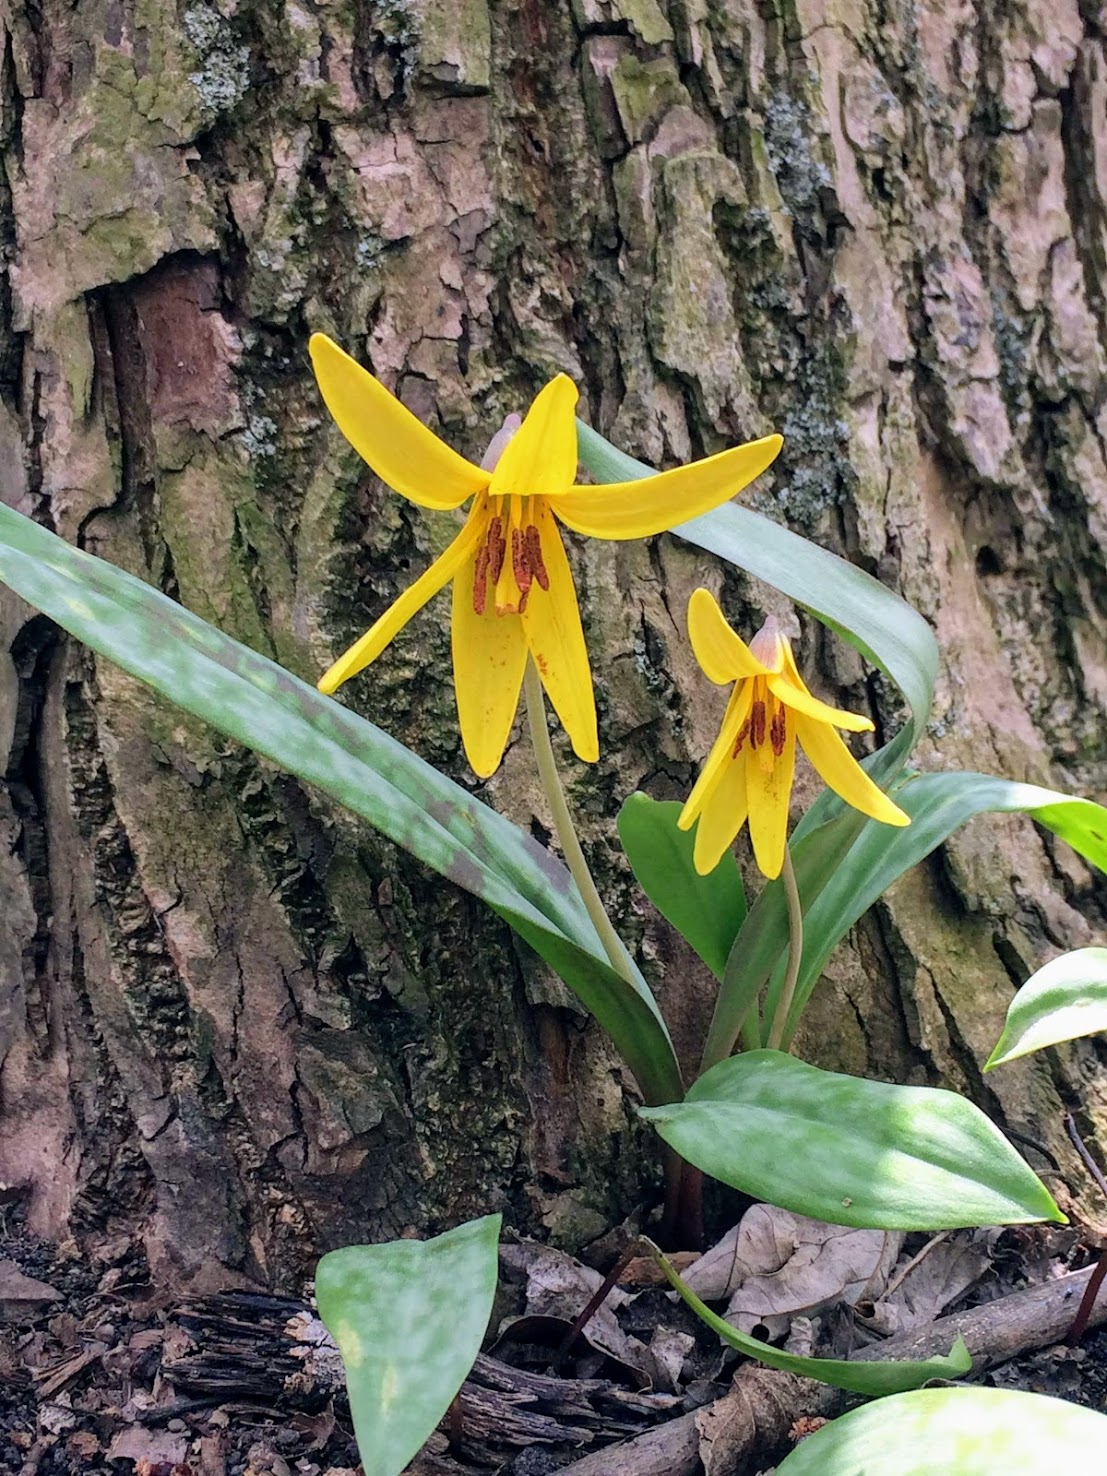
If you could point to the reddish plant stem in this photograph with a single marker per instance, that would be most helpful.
(595, 1301)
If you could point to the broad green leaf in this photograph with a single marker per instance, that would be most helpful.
(849, 1151)
(1066, 998)
(846, 863)
(956, 1432)
(868, 1377)
(253, 700)
(938, 804)
(408, 1318)
(764, 934)
(705, 910)
(883, 627)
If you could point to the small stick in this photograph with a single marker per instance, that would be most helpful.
(1086, 1158)
(994, 1332)
(595, 1301)
(1087, 1302)
(455, 1424)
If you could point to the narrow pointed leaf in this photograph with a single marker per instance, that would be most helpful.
(869, 1377)
(251, 699)
(707, 911)
(408, 1318)
(956, 1432)
(1065, 999)
(849, 1151)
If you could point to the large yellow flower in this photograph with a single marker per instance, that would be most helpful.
(513, 589)
(749, 771)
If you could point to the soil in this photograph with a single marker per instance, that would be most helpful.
(101, 1376)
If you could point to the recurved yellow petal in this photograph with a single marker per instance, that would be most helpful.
(399, 448)
(838, 768)
(541, 457)
(490, 652)
(722, 817)
(768, 790)
(373, 642)
(551, 621)
(723, 655)
(800, 700)
(637, 509)
(722, 751)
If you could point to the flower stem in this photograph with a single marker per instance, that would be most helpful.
(795, 953)
(613, 945)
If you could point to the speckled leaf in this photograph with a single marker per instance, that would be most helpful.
(956, 1432)
(253, 700)
(849, 1151)
(408, 1318)
(1065, 999)
(891, 1377)
(705, 910)
(845, 864)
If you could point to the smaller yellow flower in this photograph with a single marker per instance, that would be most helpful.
(748, 773)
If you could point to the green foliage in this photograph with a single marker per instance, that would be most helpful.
(253, 700)
(707, 911)
(408, 1318)
(859, 1377)
(956, 1432)
(1065, 999)
(851, 1152)
(845, 864)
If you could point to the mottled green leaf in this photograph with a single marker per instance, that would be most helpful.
(705, 910)
(849, 1151)
(845, 864)
(1065, 999)
(253, 700)
(408, 1318)
(938, 804)
(957, 1432)
(868, 1377)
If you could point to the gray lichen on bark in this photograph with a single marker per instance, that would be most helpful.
(232, 1016)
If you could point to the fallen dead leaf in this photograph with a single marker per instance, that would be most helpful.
(924, 1287)
(23, 1297)
(754, 1416)
(558, 1285)
(83, 1444)
(645, 1271)
(775, 1265)
(155, 1447)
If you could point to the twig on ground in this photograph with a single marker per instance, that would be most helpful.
(993, 1333)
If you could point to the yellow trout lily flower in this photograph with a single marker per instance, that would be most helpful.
(749, 771)
(513, 590)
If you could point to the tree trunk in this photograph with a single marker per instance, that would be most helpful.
(234, 1020)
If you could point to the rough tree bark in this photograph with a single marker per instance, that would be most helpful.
(232, 1019)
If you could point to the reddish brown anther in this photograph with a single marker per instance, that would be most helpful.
(757, 724)
(497, 546)
(778, 731)
(480, 588)
(743, 734)
(519, 561)
(534, 557)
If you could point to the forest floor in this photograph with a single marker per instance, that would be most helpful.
(99, 1375)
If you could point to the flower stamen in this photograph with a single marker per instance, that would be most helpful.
(778, 730)
(757, 723)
